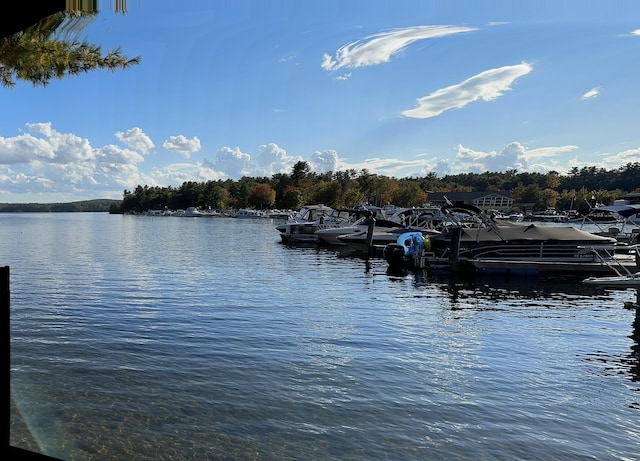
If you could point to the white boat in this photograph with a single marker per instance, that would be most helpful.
(516, 217)
(624, 278)
(191, 212)
(245, 213)
(616, 281)
(361, 217)
(302, 227)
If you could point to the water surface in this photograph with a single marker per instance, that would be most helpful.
(205, 338)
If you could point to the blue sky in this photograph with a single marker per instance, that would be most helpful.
(227, 89)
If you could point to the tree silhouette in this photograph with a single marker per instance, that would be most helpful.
(36, 55)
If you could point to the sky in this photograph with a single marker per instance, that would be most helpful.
(401, 88)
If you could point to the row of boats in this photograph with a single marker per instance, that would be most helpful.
(462, 238)
(242, 213)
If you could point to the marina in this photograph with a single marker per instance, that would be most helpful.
(134, 337)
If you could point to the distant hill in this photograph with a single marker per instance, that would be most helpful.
(100, 205)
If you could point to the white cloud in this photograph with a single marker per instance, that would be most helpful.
(514, 156)
(178, 173)
(111, 154)
(379, 48)
(611, 161)
(635, 32)
(23, 149)
(136, 139)
(271, 154)
(388, 166)
(487, 86)
(182, 145)
(545, 152)
(50, 147)
(325, 161)
(273, 159)
(65, 167)
(63, 164)
(234, 162)
(592, 93)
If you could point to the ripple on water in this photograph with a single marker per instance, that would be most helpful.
(137, 338)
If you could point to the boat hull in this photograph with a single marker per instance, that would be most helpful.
(623, 281)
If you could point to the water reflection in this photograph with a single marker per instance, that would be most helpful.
(501, 293)
(634, 356)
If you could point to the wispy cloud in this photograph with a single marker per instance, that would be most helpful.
(592, 93)
(487, 86)
(182, 145)
(379, 48)
(635, 32)
(346, 76)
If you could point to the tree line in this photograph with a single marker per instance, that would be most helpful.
(97, 205)
(579, 189)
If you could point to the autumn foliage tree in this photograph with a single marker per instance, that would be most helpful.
(262, 196)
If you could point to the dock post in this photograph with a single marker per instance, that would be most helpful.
(370, 228)
(454, 249)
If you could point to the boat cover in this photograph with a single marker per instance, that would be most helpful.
(531, 233)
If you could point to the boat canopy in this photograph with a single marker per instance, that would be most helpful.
(625, 211)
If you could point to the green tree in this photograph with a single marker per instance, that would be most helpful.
(34, 55)
(300, 172)
(353, 198)
(328, 193)
(293, 199)
(409, 194)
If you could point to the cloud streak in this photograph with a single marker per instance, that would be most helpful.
(592, 93)
(486, 86)
(380, 48)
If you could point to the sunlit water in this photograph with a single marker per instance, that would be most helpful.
(204, 339)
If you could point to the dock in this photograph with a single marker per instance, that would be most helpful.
(625, 263)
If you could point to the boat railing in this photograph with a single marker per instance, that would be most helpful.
(615, 264)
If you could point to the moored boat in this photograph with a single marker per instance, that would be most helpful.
(362, 217)
(510, 247)
(407, 246)
(615, 281)
(246, 213)
(302, 227)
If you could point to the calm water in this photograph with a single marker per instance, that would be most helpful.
(204, 339)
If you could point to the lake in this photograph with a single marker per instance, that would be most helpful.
(154, 338)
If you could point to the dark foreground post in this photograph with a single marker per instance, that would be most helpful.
(4, 286)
